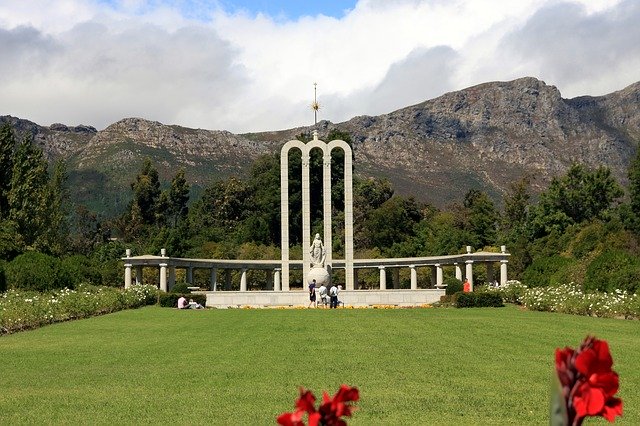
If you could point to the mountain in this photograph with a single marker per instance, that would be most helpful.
(483, 137)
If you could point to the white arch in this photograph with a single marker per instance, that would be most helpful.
(306, 209)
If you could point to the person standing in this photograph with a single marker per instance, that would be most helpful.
(466, 287)
(323, 295)
(312, 294)
(333, 294)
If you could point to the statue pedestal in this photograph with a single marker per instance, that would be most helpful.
(319, 274)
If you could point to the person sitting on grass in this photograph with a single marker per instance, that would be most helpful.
(182, 303)
(195, 305)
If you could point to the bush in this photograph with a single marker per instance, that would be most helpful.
(611, 270)
(170, 300)
(79, 269)
(35, 271)
(182, 288)
(541, 271)
(454, 285)
(479, 300)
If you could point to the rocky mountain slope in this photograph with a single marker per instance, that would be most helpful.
(482, 137)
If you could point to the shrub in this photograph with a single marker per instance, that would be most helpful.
(479, 300)
(611, 270)
(170, 300)
(79, 269)
(454, 285)
(541, 271)
(35, 271)
(182, 288)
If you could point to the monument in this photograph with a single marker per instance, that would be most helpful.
(318, 260)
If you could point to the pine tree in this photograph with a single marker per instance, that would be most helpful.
(27, 196)
(7, 146)
(146, 190)
(178, 198)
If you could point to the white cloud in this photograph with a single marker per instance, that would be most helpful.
(75, 61)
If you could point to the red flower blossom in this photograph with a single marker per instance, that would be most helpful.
(588, 382)
(328, 414)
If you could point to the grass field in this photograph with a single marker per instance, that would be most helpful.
(413, 366)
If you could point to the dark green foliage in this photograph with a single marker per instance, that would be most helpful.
(181, 288)
(38, 272)
(612, 270)
(393, 221)
(478, 300)
(79, 269)
(588, 239)
(481, 218)
(27, 198)
(7, 146)
(3, 277)
(146, 191)
(453, 284)
(170, 300)
(578, 196)
(11, 242)
(541, 271)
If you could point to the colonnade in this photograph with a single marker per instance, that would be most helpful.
(462, 264)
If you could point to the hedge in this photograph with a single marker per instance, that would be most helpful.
(478, 300)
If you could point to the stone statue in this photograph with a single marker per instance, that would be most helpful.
(317, 252)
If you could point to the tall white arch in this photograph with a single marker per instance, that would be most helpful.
(306, 207)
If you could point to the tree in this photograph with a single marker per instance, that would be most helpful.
(178, 198)
(516, 208)
(55, 230)
(7, 146)
(146, 191)
(482, 218)
(578, 196)
(27, 196)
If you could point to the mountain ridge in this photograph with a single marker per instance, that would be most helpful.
(485, 137)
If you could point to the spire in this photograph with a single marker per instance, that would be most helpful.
(315, 106)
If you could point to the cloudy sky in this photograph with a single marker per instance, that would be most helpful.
(250, 65)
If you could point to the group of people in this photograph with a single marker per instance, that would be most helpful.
(326, 297)
(191, 304)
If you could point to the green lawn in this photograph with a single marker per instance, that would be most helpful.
(413, 366)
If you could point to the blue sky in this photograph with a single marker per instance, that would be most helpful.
(208, 64)
(279, 10)
(291, 9)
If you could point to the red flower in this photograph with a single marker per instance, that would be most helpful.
(330, 412)
(588, 383)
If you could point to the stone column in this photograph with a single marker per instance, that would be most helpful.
(243, 280)
(213, 279)
(127, 275)
(355, 279)
(326, 208)
(414, 277)
(190, 275)
(503, 272)
(163, 277)
(469, 272)
(439, 279)
(276, 280)
(458, 271)
(383, 278)
(269, 276)
(396, 277)
(306, 218)
(434, 277)
(284, 214)
(348, 215)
